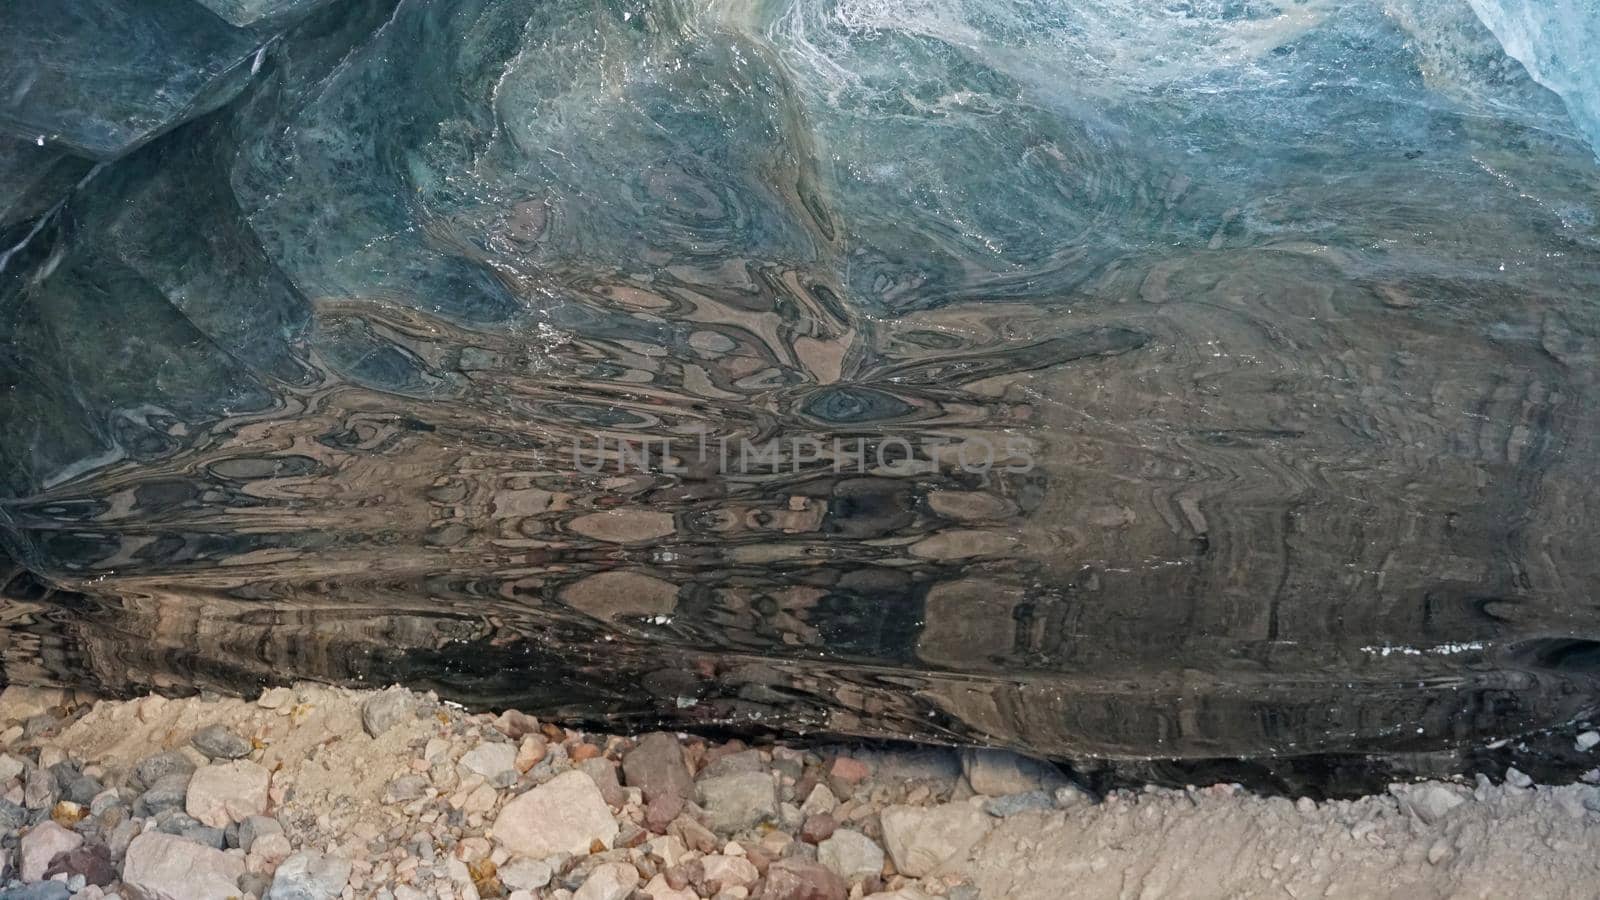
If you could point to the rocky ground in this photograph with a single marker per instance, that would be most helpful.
(313, 793)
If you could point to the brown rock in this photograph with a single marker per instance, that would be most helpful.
(604, 773)
(661, 811)
(582, 751)
(656, 766)
(802, 879)
(844, 773)
(718, 751)
(92, 861)
(694, 835)
(516, 724)
(818, 828)
(531, 751)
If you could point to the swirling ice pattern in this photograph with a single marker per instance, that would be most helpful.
(1278, 317)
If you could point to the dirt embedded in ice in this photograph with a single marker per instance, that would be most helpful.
(317, 792)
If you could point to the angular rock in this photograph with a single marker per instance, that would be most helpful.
(91, 861)
(656, 766)
(39, 788)
(40, 847)
(405, 789)
(818, 828)
(566, 814)
(496, 763)
(1429, 802)
(739, 801)
(222, 793)
(604, 774)
(851, 855)
(659, 889)
(729, 871)
(168, 792)
(922, 841)
(609, 881)
(820, 800)
(217, 742)
(797, 878)
(163, 867)
(12, 815)
(386, 709)
(525, 874)
(309, 876)
(147, 771)
(996, 773)
(81, 789)
(252, 827)
(10, 767)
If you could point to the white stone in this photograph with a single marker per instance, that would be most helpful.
(611, 881)
(267, 850)
(274, 698)
(658, 889)
(42, 844)
(1588, 740)
(495, 762)
(166, 867)
(732, 871)
(10, 767)
(820, 800)
(564, 815)
(924, 840)
(220, 795)
(1429, 802)
(386, 709)
(851, 855)
(525, 874)
(668, 849)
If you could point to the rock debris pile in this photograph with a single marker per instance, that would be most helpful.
(315, 793)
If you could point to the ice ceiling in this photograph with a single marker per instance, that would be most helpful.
(1283, 316)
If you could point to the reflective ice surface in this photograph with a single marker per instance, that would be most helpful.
(1244, 353)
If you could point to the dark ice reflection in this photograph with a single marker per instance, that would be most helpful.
(1225, 391)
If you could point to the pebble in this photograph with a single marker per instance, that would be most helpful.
(171, 868)
(1429, 803)
(41, 845)
(796, 878)
(738, 801)
(386, 709)
(222, 793)
(217, 742)
(566, 814)
(996, 773)
(923, 840)
(526, 874)
(495, 763)
(656, 766)
(309, 876)
(610, 881)
(851, 855)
